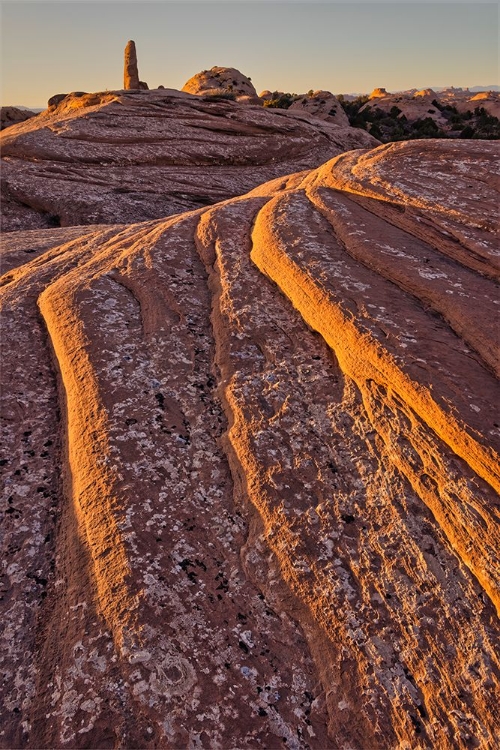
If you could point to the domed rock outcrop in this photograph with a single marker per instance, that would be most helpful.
(225, 80)
(428, 93)
(322, 104)
(488, 100)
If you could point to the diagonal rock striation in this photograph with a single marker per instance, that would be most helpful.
(129, 156)
(251, 491)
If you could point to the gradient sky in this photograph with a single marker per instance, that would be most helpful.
(68, 45)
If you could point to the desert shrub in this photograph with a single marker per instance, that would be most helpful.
(281, 102)
(352, 108)
(467, 132)
(426, 128)
(214, 95)
(487, 126)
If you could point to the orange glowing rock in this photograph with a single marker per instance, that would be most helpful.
(251, 466)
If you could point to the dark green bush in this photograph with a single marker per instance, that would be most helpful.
(467, 132)
(281, 102)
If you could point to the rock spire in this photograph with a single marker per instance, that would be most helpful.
(131, 72)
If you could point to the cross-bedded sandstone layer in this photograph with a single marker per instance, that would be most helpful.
(251, 484)
(131, 156)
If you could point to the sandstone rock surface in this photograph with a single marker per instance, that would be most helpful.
(13, 115)
(131, 71)
(115, 157)
(221, 79)
(489, 100)
(418, 105)
(413, 105)
(378, 93)
(322, 104)
(426, 92)
(251, 466)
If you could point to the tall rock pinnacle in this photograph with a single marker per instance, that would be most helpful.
(131, 73)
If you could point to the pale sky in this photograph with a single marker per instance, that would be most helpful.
(294, 45)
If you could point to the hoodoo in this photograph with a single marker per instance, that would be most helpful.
(131, 72)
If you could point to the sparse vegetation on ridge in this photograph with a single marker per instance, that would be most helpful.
(215, 95)
(280, 101)
(394, 125)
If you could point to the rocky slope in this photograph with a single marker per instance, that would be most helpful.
(136, 155)
(250, 461)
(426, 114)
(322, 104)
(12, 115)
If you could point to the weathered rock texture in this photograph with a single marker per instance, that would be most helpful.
(423, 104)
(221, 79)
(413, 105)
(489, 100)
(378, 93)
(113, 157)
(250, 467)
(131, 71)
(322, 104)
(12, 115)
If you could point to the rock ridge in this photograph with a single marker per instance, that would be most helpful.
(128, 156)
(275, 421)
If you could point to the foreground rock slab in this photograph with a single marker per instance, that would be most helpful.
(132, 156)
(251, 489)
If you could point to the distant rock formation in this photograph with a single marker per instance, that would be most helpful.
(488, 100)
(378, 93)
(321, 104)
(12, 115)
(131, 72)
(450, 113)
(412, 105)
(207, 150)
(224, 80)
(267, 514)
(429, 93)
